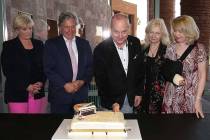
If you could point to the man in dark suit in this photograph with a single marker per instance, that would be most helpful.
(116, 61)
(68, 66)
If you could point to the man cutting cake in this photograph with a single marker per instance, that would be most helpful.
(116, 61)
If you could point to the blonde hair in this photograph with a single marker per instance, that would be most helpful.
(164, 32)
(186, 25)
(22, 20)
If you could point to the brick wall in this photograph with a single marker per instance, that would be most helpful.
(167, 10)
(200, 11)
(151, 8)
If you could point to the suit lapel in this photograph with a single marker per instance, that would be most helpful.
(131, 53)
(80, 56)
(116, 57)
(64, 51)
(130, 50)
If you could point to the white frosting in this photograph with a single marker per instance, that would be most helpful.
(100, 120)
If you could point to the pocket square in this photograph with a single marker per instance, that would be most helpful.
(135, 56)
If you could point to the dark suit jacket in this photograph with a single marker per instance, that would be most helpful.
(112, 82)
(21, 67)
(58, 68)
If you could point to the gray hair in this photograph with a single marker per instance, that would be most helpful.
(66, 15)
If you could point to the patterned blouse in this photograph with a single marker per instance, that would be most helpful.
(180, 99)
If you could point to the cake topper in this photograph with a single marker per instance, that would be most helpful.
(84, 109)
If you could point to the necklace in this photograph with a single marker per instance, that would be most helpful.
(153, 51)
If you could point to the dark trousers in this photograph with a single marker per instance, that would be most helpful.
(62, 109)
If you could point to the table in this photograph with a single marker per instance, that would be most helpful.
(62, 132)
(152, 127)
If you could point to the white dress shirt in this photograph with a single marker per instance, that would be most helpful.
(124, 57)
(123, 54)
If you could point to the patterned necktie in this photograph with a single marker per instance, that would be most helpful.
(73, 61)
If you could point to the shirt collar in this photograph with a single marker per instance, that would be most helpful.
(124, 47)
(66, 40)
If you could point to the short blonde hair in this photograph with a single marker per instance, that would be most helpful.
(186, 25)
(22, 20)
(157, 22)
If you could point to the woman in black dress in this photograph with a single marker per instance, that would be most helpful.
(156, 41)
(21, 61)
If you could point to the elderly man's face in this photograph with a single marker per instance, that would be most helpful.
(68, 28)
(119, 31)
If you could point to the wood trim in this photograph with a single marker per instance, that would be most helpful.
(127, 8)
